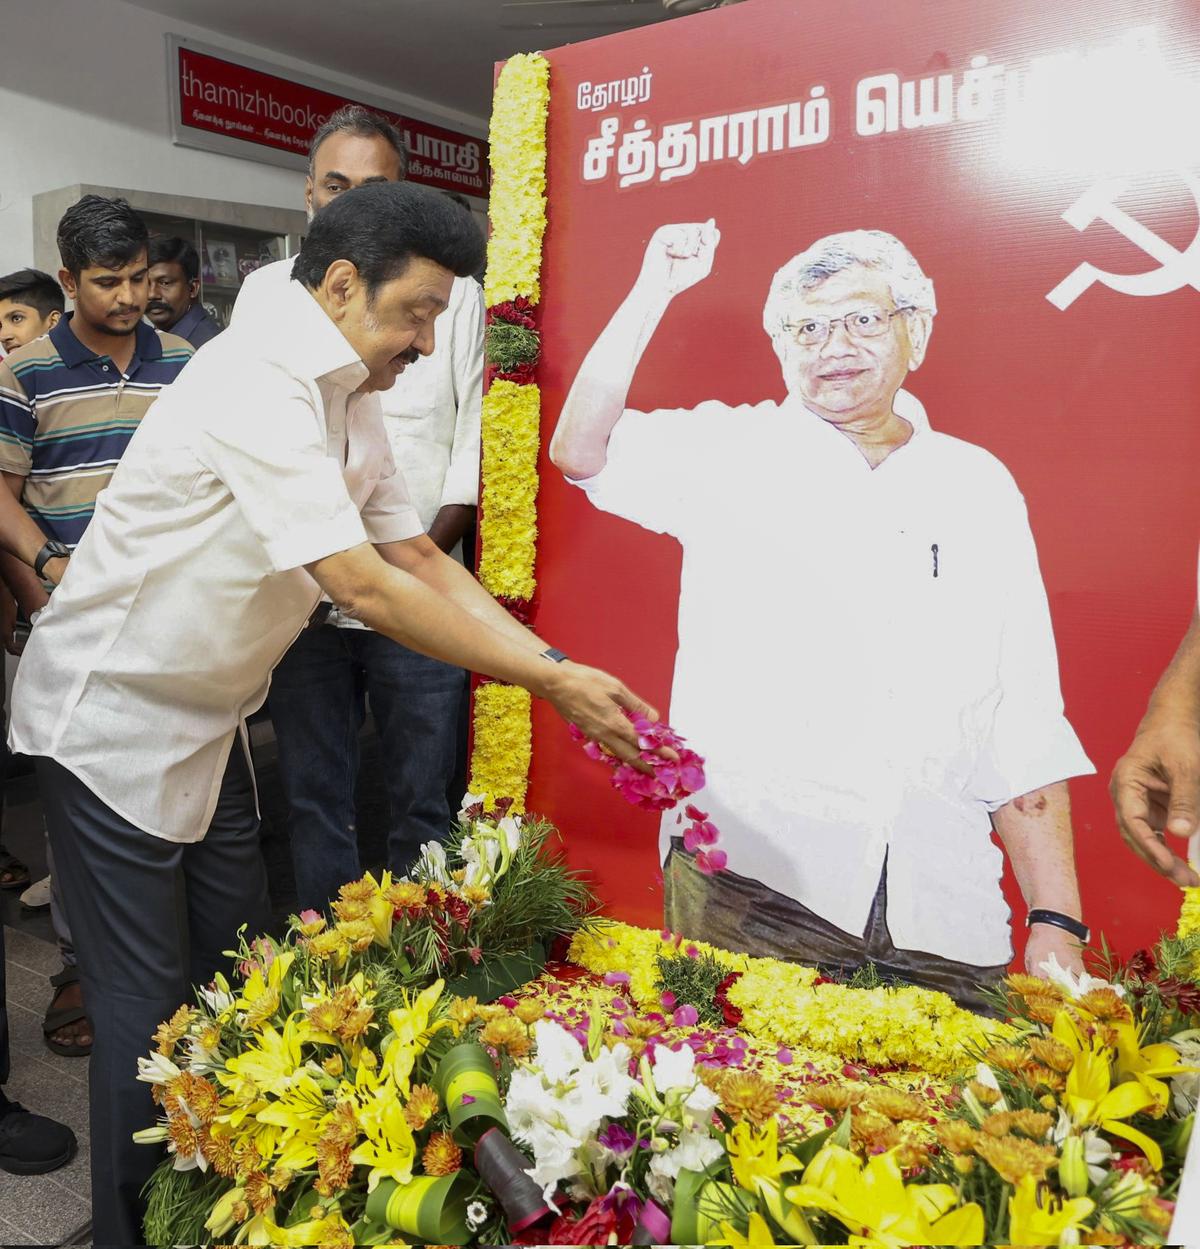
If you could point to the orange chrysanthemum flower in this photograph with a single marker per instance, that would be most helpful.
(746, 1095)
(529, 1011)
(834, 1097)
(1054, 1054)
(442, 1155)
(326, 1016)
(896, 1104)
(407, 895)
(171, 1031)
(507, 1033)
(358, 890)
(423, 1104)
(1104, 1005)
(1030, 1123)
(956, 1136)
(1013, 1158)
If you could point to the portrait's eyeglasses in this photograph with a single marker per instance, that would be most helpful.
(861, 323)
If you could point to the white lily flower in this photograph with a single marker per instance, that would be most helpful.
(559, 1054)
(510, 829)
(216, 999)
(432, 863)
(1072, 984)
(469, 801)
(156, 1070)
(674, 1069)
(695, 1151)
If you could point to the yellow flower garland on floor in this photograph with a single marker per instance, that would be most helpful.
(511, 412)
(781, 1003)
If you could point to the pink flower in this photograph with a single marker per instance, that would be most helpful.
(784, 1056)
(614, 978)
(692, 951)
(310, 916)
(668, 1000)
(695, 814)
(702, 833)
(686, 1016)
(711, 861)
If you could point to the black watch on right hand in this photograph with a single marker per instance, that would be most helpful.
(52, 550)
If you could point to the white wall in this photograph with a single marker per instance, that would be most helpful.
(83, 98)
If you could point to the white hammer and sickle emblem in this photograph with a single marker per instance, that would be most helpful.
(1175, 268)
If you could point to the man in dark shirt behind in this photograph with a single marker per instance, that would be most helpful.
(174, 302)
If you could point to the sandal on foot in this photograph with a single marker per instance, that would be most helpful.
(13, 873)
(59, 1017)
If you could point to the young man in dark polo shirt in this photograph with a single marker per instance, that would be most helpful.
(174, 302)
(69, 404)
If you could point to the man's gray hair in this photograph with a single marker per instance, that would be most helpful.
(872, 249)
(354, 119)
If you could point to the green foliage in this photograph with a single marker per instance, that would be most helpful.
(694, 981)
(538, 898)
(509, 346)
(177, 1204)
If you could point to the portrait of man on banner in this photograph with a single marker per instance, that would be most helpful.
(865, 649)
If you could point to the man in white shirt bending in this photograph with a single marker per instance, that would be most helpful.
(865, 650)
(264, 483)
(432, 414)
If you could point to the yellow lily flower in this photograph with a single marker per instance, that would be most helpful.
(1090, 1098)
(757, 1234)
(758, 1168)
(330, 1230)
(1055, 1223)
(877, 1207)
(301, 1113)
(389, 1149)
(1146, 1064)
(412, 1031)
(268, 1066)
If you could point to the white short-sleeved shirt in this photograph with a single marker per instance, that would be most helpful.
(432, 410)
(189, 584)
(865, 658)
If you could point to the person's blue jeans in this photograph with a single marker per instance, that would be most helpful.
(317, 709)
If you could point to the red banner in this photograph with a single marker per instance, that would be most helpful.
(225, 98)
(1038, 163)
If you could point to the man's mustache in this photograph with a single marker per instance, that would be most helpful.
(155, 306)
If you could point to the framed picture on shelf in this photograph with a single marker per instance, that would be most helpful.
(222, 259)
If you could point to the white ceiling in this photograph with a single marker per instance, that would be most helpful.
(442, 50)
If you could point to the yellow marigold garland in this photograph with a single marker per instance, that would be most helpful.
(782, 1003)
(517, 203)
(503, 741)
(511, 411)
(511, 430)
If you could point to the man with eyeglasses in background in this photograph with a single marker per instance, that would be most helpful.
(898, 698)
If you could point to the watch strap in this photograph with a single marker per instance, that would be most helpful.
(51, 550)
(553, 654)
(1076, 927)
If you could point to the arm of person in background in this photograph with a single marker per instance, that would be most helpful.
(419, 597)
(1036, 831)
(20, 541)
(677, 257)
(1155, 786)
(460, 488)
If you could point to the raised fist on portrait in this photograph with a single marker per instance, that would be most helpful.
(679, 256)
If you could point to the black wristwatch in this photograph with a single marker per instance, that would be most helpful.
(555, 656)
(52, 550)
(1076, 927)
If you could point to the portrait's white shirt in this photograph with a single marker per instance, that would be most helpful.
(432, 410)
(850, 704)
(189, 584)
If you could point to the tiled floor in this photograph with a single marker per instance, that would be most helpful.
(44, 1209)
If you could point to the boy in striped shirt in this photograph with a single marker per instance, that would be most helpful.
(69, 404)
